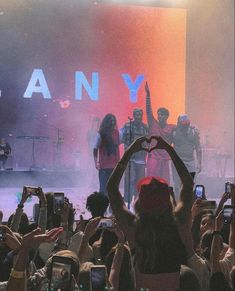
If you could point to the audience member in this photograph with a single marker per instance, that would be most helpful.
(153, 233)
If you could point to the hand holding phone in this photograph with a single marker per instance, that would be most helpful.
(228, 212)
(199, 191)
(61, 273)
(98, 278)
(228, 188)
(58, 202)
(105, 223)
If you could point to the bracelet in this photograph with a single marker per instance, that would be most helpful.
(17, 274)
(215, 232)
(20, 205)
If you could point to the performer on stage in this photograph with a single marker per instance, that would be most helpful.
(130, 132)
(186, 142)
(5, 151)
(106, 150)
(158, 160)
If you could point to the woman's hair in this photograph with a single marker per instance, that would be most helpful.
(97, 203)
(106, 131)
(53, 220)
(158, 246)
(24, 223)
(126, 278)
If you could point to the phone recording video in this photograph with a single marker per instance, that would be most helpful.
(32, 190)
(228, 213)
(199, 191)
(105, 223)
(228, 187)
(2, 235)
(61, 275)
(58, 202)
(98, 278)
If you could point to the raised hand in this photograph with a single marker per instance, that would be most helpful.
(147, 89)
(34, 238)
(42, 197)
(91, 227)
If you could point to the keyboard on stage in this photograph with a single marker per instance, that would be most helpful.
(37, 137)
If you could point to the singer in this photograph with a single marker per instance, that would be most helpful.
(133, 129)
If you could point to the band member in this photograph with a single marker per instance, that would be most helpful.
(158, 160)
(136, 168)
(5, 151)
(186, 142)
(106, 150)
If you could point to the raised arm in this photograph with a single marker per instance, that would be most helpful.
(124, 217)
(19, 211)
(216, 244)
(183, 208)
(42, 218)
(149, 111)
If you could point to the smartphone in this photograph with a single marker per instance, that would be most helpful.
(61, 273)
(228, 187)
(2, 235)
(105, 223)
(58, 202)
(228, 213)
(98, 277)
(32, 190)
(199, 191)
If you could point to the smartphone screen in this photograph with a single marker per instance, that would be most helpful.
(227, 213)
(31, 190)
(199, 191)
(58, 202)
(227, 187)
(60, 276)
(98, 278)
(106, 223)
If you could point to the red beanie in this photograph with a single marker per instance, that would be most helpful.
(153, 195)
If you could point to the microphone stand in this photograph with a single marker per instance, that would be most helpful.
(129, 164)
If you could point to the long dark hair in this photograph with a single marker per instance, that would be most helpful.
(106, 131)
(158, 246)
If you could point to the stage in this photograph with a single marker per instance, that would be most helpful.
(43, 178)
(76, 185)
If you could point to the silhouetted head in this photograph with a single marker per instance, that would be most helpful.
(162, 115)
(138, 114)
(97, 203)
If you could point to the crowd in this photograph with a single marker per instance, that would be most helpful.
(174, 240)
(162, 246)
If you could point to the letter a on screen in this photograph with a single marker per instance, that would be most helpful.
(37, 84)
